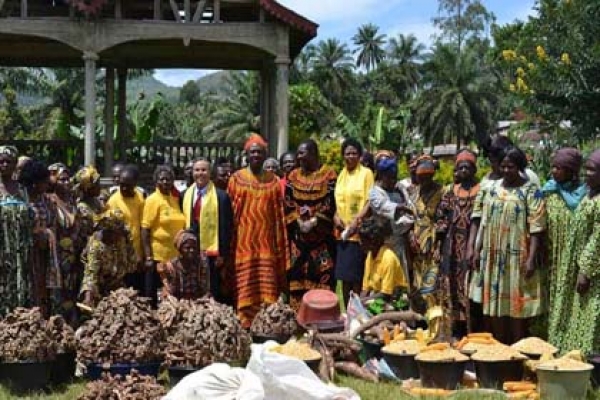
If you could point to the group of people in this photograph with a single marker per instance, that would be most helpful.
(493, 255)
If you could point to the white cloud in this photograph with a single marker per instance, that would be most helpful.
(177, 77)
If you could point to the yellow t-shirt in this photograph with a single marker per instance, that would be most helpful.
(132, 209)
(352, 193)
(163, 217)
(384, 273)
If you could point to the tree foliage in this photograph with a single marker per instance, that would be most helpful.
(369, 46)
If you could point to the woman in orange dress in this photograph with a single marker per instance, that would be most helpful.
(259, 245)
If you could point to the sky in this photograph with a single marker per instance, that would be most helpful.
(341, 19)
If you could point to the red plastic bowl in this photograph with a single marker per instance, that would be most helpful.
(318, 305)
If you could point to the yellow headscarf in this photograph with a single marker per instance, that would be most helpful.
(85, 178)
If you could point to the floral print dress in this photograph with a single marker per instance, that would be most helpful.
(579, 324)
(509, 217)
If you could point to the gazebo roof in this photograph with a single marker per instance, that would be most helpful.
(246, 34)
(290, 17)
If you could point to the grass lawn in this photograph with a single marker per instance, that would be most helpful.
(366, 390)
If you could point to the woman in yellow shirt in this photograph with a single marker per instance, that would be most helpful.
(352, 204)
(383, 270)
(161, 222)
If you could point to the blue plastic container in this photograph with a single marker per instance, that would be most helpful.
(94, 371)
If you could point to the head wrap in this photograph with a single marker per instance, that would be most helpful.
(425, 165)
(387, 165)
(85, 178)
(568, 158)
(255, 139)
(182, 237)
(57, 168)
(467, 156)
(10, 151)
(595, 158)
(383, 154)
(110, 220)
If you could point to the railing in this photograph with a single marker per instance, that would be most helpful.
(147, 156)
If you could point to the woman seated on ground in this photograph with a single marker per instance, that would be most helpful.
(383, 271)
(186, 276)
(108, 257)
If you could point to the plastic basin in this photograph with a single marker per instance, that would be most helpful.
(371, 349)
(26, 377)
(441, 375)
(94, 371)
(563, 385)
(63, 370)
(493, 374)
(176, 374)
(404, 366)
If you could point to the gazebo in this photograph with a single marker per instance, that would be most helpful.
(259, 35)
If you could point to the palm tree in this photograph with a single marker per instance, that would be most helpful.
(238, 112)
(406, 53)
(369, 46)
(459, 98)
(332, 69)
(302, 66)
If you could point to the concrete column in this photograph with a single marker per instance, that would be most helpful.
(90, 107)
(282, 69)
(109, 123)
(265, 106)
(122, 111)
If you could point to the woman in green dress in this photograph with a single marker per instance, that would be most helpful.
(16, 225)
(562, 193)
(581, 260)
(513, 220)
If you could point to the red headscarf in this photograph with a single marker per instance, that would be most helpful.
(255, 139)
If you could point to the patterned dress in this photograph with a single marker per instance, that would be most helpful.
(579, 324)
(105, 266)
(15, 249)
(425, 269)
(259, 244)
(88, 210)
(67, 237)
(184, 283)
(312, 254)
(454, 223)
(509, 217)
(46, 278)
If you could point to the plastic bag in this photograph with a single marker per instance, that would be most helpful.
(356, 313)
(218, 382)
(291, 379)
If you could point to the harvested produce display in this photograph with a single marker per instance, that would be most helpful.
(497, 352)
(440, 352)
(534, 345)
(123, 329)
(61, 333)
(404, 347)
(475, 341)
(24, 336)
(132, 387)
(202, 332)
(521, 390)
(299, 350)
(565, 364)
(277, 319)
